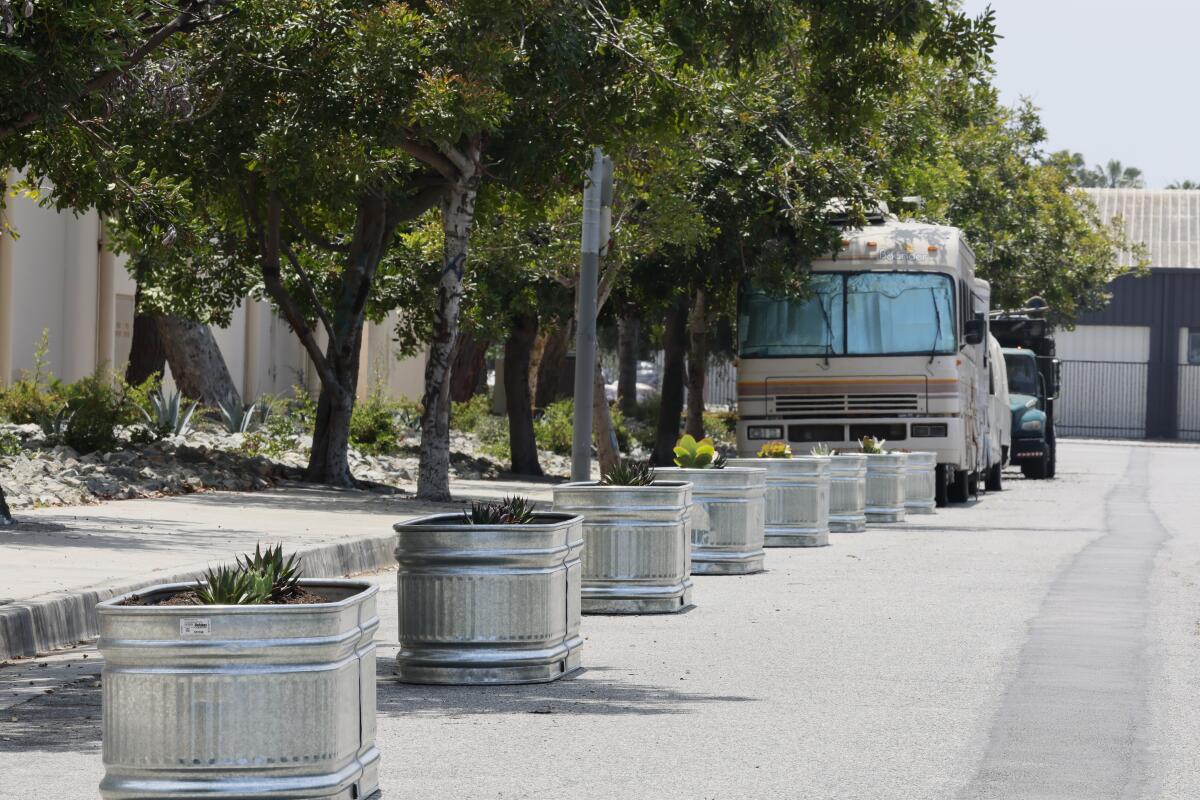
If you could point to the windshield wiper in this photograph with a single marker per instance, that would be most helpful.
(828, 329)
(937, 331)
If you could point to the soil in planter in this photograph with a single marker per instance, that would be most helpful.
(301, 596)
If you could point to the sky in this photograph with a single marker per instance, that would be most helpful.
(1113, 78)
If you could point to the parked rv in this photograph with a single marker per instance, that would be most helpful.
(999, 416)
(890, 343)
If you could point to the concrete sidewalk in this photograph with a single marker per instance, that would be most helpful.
(58, 563)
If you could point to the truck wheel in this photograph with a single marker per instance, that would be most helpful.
(995, 482)
(1036, 470)
(959, 490)
(942, 480)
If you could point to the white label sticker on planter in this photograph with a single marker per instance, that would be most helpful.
(194, 627)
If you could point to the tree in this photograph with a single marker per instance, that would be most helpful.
(1183, 185)
(57, 53)
(1113, 175)
(979, 165)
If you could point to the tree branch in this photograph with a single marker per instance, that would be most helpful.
(312, 292)
(430, 157)
(188, 19)
(309, 234)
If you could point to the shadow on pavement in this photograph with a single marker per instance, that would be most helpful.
(66, 720)
(582, 694)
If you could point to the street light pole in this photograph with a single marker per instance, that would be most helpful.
(597, 198)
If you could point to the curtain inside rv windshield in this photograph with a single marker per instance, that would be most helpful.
(769, 326)
(852, 313)
(899, 312)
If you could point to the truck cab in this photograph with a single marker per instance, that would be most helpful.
(1034, 382)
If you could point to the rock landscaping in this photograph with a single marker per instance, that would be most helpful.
(36, 473)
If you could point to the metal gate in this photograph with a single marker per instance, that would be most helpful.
(1103, 399)
(1189, 402)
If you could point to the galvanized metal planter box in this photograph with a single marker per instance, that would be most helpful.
(266, 701)
(483, 604)
(848, 493)
(920, 483)
(886, 481)
(637, 545)
(728, 515)
(797, 499)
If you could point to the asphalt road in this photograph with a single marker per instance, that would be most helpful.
(1043, 642)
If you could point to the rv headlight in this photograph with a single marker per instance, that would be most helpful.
(759, 432)
(1031, 425)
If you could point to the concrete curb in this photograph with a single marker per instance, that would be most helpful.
(54, 621)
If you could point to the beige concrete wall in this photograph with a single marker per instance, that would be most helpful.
(56, 276)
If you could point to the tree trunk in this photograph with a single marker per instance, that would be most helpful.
(147, 355)
(697, 357)
(196, 362)
(469, 362)
(458, 213)
(550, 371)
(5, 515)
(517, 351)
(329, 461)
(628, 331)
(674, 353)
(602, 428)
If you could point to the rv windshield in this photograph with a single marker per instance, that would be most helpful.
(863, 313)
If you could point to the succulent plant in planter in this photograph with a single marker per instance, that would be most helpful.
(728, 510)
(628, 472)
(775, 450)
(822, 450)
(489, 595)
(872, 446)
(637, 545)
(186, 666)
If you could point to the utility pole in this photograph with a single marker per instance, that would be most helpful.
(597, 218)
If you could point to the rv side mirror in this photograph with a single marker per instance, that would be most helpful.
(973, 331)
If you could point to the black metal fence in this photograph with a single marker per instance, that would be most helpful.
(1189, 402)
(1104, 399)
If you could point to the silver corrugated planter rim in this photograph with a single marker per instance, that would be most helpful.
(807, 522)
(264, 701)
(637, 545)
(851, 516)
(488, 604)
(920, 483)
(735, 496)
(886, 486)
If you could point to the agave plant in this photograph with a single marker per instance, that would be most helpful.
(167, 416)
(821, 450)
(230, 586)
(775, 450)
(282, 576)
(55, 425)
(239, 418)
(628, 472)
(871, 445)
(509, 511)
(691, 454)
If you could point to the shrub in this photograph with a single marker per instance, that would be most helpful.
(467, 417)
(38, 395)
(373, 427)
(554, 431)
(10, 445)
(492, 431)
(96, 408)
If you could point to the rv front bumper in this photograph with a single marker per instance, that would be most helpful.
(941, 435)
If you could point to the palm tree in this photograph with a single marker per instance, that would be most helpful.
(1118, 176)
(1183, 185)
